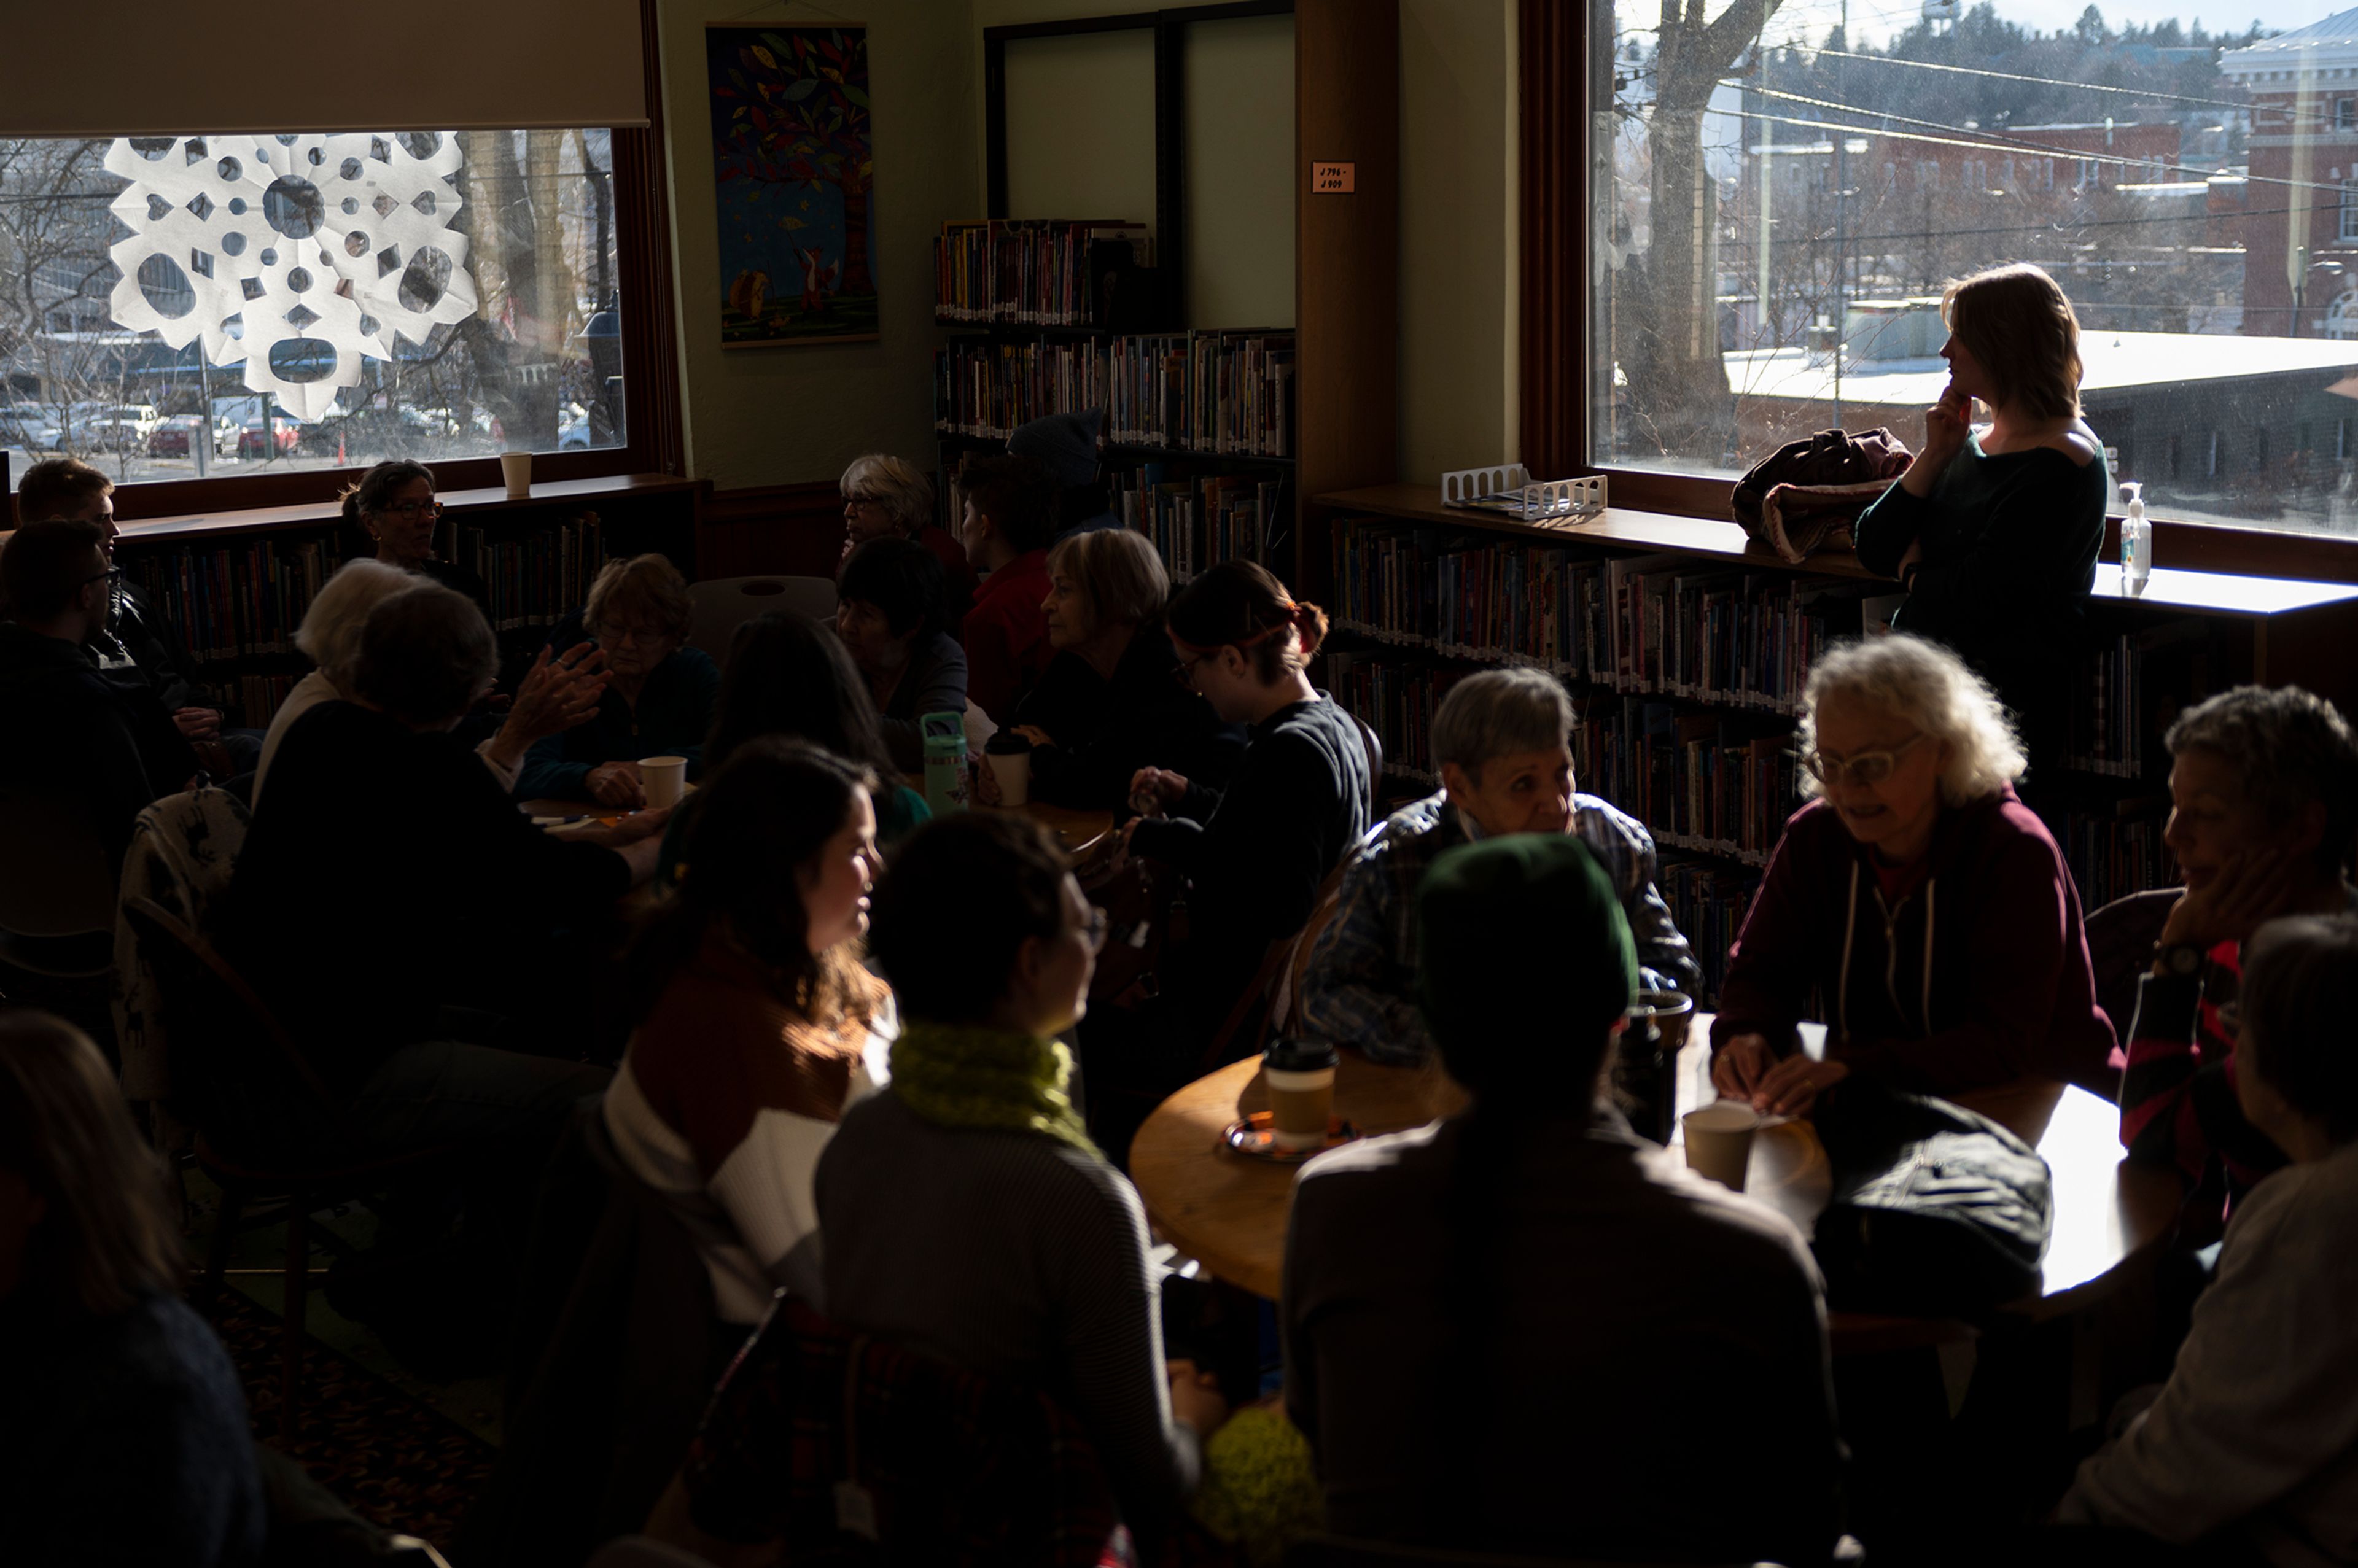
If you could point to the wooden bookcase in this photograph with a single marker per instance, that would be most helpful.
(235, 584)
(1346, 110)
(1703, 760)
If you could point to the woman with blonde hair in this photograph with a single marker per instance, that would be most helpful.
(1994, 529)
(1916, 895)
(1109, 702)
(659, 692)
(557, 692)
(123, 1432)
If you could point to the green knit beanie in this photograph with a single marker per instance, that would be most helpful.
(1523, 955)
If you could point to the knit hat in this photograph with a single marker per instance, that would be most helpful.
(1524, 958)
(1064, 444)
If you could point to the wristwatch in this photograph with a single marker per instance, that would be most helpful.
(2182, 959)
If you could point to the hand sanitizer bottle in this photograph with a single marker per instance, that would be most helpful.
(2136, 539)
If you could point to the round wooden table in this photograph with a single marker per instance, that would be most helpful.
(1229, 1212)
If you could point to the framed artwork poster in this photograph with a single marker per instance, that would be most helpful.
(793, 168)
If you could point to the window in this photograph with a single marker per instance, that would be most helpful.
(2190, 336)
(309, 301)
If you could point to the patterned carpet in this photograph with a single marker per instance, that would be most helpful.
(396, 1461)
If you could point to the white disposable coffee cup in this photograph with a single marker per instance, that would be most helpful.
(1300, 1106)
(1014, 771)
(666, 779)
(1719, 1141)
(516, 469)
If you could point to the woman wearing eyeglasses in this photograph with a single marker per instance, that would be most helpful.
(885, 497)
(1916, 895)
(393, 505)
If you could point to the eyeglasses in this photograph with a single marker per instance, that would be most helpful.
(111, 577)
(1867, 768)
(413, 508)
(862, 501)
(1185, 673)
(618, 634)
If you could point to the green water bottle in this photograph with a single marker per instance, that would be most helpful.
(945, 737)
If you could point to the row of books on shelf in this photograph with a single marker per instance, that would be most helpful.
(1228, 392)
(254, 700)
(2130, 680)
(1032, 272)
(1196, 522)
(233, 602)
(537, 577)
(1653, 624)
(2113, 854)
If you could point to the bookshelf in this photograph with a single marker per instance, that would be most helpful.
(237, 583)
(1207, 428)
(1686, 645)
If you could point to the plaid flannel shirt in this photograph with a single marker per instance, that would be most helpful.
(1360, 988)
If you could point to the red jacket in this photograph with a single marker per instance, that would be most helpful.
(1977, 975)
(1007, 635)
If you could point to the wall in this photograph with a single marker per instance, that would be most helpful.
(1459, 357)
(780, 415)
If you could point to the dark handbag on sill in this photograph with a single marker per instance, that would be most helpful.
(1804, 496)
(1937, 1212)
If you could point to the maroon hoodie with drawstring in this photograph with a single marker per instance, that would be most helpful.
(1970, 969)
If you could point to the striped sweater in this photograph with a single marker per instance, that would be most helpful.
(723, 1103)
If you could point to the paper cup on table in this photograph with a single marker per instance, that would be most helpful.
(515, 467)
(1010, 759)
(1719, 1141)
(666, 779)
(1301, 1079)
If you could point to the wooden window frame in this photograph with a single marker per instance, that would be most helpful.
(652, 442)
(1566, 65)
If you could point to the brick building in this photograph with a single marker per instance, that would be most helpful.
(2300, 270)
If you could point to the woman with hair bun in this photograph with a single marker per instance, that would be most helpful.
(1994, 530)
(1916, 895)
(1255, 852)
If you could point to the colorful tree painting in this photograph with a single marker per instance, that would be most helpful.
(794, 183)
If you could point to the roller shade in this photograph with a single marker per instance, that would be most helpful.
(169, 67)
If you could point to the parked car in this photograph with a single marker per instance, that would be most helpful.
(107, 424)
(30, 426)
(177, 435)
(278, 441)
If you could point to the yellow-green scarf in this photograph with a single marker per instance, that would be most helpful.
(974, 1075)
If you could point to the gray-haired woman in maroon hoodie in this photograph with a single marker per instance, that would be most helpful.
(1924, 903)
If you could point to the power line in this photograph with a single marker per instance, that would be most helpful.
(2037, 80)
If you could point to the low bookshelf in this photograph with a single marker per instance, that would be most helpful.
(1685, 646)
(236, 583)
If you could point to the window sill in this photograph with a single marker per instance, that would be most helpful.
(547, 494)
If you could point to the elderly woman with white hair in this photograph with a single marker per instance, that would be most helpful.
(885, 497)
(557, 692)
(1916, 895)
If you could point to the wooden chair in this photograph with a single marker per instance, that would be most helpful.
(722, 604)
(57, 893)
(219, 1028)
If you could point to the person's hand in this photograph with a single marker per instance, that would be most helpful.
(617, 784)
(1946, 424)
(2243, 894)
(1154, 791)
(1738, 1066)
(986, 780)
(558, 692)
(1120, 856)
(1793, 1084)
(1195, 1397)
(1034, 734)
(198, 723)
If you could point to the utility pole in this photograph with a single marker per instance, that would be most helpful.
(1764, 185)
(1842, 219)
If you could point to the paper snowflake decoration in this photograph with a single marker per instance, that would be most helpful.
(336, 243)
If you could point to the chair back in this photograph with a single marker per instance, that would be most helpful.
(2120, 948)
(1374, 745)
(54, 877)
(1340, 1551)
(183, 850)
(722, 604)
(948, 1467)
(224, 1035)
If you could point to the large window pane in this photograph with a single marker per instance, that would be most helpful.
(418, 295)
(1783, 200)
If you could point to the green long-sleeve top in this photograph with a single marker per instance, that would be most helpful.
(673, 716)
(2008, 553)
